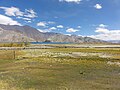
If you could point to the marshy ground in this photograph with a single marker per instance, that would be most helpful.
(60, 69)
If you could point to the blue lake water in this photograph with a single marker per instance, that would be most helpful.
(51, 43)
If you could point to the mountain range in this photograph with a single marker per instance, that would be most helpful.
(15, 33)
(114, 41)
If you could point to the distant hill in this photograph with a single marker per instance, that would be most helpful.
(114, 41)
(15, 33)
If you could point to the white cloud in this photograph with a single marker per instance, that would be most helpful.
(12, 11)
(68, 34)
(81, 36)
(30, 13)
(19, 17)
(98, 6)
(52, 28)
(71, 30)
(102, 25)
(69, 1)
(7, 20)
(101, 30)
(78, 26)
(60, 26)
(106, 34)
(41, 30)
(42, 24)
(28, 19)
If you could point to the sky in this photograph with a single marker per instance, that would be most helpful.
(98, 19)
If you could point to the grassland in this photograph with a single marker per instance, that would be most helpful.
(22, 44)
(60, 69)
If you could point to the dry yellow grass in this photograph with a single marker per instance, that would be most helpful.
(60, 69)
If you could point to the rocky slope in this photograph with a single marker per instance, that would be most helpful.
(12, 36)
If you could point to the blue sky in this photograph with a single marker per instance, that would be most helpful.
(95, 18)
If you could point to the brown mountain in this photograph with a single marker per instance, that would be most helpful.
(15, 33)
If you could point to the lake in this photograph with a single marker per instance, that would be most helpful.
(51, 43)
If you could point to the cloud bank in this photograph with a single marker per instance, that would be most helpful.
(8, 21)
